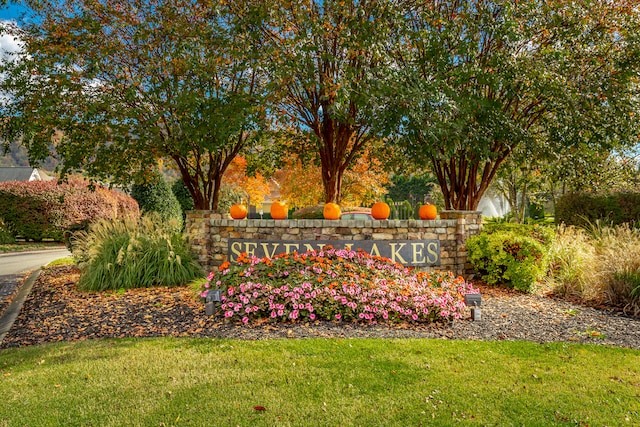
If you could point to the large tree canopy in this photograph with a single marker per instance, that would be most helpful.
(325, 59)
(480, 78)
(113, 86)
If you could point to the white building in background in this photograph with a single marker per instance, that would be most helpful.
(19, 173)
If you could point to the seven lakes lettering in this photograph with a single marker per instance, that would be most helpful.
(407, 252)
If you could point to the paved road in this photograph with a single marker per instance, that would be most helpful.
(21, 262)
(12, 267)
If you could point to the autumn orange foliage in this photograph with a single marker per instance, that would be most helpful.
(255, 188)
(362, 184)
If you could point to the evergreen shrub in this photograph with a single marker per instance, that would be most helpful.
(511, 255)
(6, 236)
(180, 191)
(582, 209)
(156, 196)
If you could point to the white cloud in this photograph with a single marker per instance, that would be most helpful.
(8, 43)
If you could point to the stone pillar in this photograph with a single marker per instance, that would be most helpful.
(468, 223)
(198, 235)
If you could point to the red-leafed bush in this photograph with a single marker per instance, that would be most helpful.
(46, 209)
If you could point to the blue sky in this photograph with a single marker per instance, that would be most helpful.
(11, 12)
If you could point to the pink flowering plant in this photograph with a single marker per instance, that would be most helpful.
(332, 284)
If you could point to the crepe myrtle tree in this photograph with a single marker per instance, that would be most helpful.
(324, 59)
(477, 79)
(111, 88)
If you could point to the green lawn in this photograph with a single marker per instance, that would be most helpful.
(318, 382)
(28, 246)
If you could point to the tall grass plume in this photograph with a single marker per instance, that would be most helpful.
(129, 253)
(598, 265)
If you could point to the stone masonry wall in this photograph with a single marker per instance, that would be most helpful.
(208, 234)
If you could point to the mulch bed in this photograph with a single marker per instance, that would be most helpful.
(56, 311)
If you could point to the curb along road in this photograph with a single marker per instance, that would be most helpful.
(18, 272)
(11, 313)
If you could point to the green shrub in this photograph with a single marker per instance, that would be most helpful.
(402, 210)
(543, 234)
(133, 254)
(582, 209)
(509, 257)
(180, 191)
(45, 209)
(6, 236)
(156, 196)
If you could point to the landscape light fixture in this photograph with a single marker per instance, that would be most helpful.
(213, 296)
(474, 301)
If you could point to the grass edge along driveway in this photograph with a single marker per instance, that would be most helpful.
(318, 382)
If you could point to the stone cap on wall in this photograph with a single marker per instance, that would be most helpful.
(314, 223)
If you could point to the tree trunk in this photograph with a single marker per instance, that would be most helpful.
(464, 179)
(340, 145)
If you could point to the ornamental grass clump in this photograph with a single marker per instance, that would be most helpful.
(600, 266)
(133, 254)
(333, 284)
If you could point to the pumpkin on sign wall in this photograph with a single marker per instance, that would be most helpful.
(428, 211)
(380, 210)
(331, 211)
(279, 210)
(238, 211)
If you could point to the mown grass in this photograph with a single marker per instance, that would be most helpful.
(62, 261)
(28, 246)
(318, 382)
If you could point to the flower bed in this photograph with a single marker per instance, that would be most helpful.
(335, 285)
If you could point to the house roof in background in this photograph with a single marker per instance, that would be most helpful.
(17, 173)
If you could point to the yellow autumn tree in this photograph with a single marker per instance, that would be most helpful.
(252, 188)
(300, 184)
(363, 184)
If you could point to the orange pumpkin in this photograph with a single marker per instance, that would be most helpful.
(428, 211)
(331, 211)
(279, 210)
(380, 210)
(238, 211)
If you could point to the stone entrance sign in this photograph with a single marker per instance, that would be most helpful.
(421, 253)
(424, 244)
